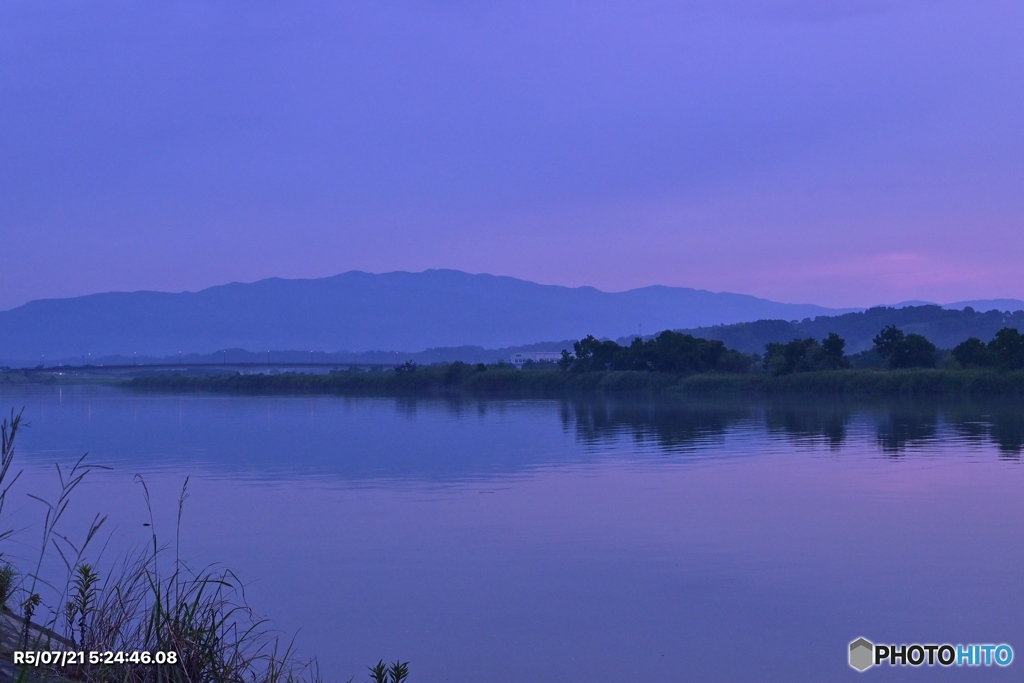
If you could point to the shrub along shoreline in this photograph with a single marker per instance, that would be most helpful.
(505, 381)
(673, 362)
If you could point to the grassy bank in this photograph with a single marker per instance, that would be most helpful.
(504, 381)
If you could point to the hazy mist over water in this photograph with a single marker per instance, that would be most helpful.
(547, 540)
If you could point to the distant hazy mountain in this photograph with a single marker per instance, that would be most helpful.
(945, 326)
(907, 304)
(358, 311)
(984, 305)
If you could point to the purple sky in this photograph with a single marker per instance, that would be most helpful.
(840, 152)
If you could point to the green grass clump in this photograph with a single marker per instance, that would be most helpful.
(383, 673)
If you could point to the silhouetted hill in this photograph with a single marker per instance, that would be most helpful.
(945, 327)
(358, 311)
(989, 304)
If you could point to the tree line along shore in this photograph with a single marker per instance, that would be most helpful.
(673, 362)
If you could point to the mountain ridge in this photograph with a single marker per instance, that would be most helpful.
(945, 327)
(359, 311)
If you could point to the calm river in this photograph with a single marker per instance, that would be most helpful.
(512, 541)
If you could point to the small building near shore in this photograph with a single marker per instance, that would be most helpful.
(521, 359)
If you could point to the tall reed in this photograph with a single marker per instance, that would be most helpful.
(195, 624)
(151, 602)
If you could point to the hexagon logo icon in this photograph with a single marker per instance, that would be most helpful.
(862, 654)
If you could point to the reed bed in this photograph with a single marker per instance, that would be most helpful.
(505, 381)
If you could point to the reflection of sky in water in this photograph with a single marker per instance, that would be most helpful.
(569, 541)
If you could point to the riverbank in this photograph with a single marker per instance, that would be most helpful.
(508, 382)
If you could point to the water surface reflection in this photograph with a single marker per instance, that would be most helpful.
(571, 540)
(896, 425)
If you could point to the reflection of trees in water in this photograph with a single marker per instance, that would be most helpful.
(406, 407)
(456, 406)
(688, 424)
(1000, 424)
(903, 425)
(898, 425)
(673, 426)
(1008, 434)
(804, 422)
